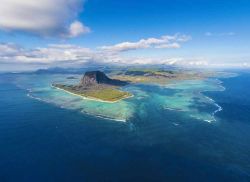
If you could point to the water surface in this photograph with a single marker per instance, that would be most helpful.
(166, 136)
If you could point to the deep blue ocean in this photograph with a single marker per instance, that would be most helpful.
(41, 142)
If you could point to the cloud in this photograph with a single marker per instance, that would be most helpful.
(73, 55)
(56, 54)
(160, 43)
(51, 54)
(77, 28)
(9, 50)
(209, 34)
(42, 17)
(168, 46)
(68, 55)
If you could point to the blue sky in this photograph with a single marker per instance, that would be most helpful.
(73, 32)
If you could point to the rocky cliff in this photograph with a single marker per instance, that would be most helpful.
(92, 78)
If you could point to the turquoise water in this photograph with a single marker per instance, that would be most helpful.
(182, 96)
(196, 130)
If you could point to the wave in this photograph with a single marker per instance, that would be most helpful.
(29, 94)
(219, 108)
(201, 93)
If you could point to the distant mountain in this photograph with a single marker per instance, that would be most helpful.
(79, 70)
(104, 68)
(58, 70)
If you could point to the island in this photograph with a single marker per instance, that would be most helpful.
(159, 76)
(95, 85)
(71, 78)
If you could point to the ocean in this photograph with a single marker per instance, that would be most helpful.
(195, 130)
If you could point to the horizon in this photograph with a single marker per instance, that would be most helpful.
(208, 34)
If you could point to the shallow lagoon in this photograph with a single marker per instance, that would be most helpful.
(187, 96)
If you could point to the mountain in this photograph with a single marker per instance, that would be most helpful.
(92, 78)
(60, 70)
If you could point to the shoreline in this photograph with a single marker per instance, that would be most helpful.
(91, 98)
(88, 113)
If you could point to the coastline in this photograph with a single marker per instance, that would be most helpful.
(90, 114)
(91, 98)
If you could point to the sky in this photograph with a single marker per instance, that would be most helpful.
(72, 33)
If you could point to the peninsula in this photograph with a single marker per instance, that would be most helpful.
(96, 85)
(158, 76)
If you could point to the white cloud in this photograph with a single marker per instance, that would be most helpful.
(73, 55)
(77, 28)
(42, 17)
(168, 46)
(8, 50)
(162, 42)
(55, 54)
(47, 55)
(209, 34)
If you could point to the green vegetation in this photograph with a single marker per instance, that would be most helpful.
(157, 76)
(152, 72)
(104, 93)
(107, 94)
